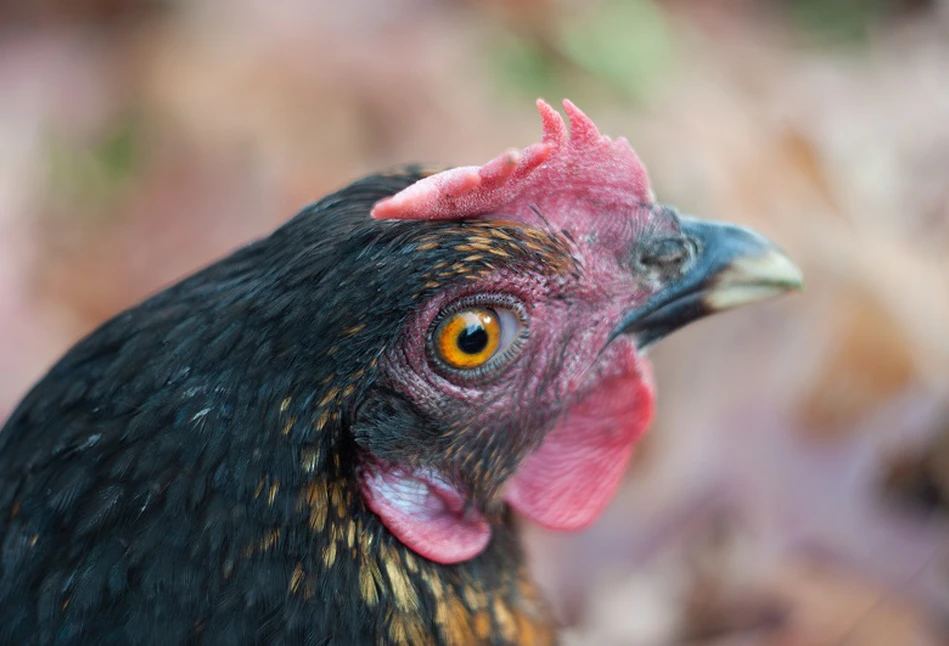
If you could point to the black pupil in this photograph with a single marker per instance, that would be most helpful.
(473, 339)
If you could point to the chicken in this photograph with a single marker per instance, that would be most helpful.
(322, 438)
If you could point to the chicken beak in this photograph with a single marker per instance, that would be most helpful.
(732, 266)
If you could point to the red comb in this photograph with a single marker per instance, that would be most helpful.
(583, 160)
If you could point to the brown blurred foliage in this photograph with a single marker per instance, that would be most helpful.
(794, 488)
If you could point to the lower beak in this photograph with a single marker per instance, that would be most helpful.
(732, 267)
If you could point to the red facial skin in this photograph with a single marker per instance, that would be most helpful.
(567, 482)
(596, 193)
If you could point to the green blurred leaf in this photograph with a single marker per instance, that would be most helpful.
(839, 21)
(626, 42)
(94, 177)
(117, 153)
(524, 66)
(623, 45)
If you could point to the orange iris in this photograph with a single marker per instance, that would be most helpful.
(469, 338)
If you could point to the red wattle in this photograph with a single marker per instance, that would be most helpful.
(567, 482)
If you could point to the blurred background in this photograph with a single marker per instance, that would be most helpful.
(795, 487)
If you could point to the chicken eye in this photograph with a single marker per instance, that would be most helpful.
(469, 338)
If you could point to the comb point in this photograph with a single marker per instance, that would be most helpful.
(555, 130)
(501, 167)
(461, 183)
(582, 128)
(533, 156)
(383, 209)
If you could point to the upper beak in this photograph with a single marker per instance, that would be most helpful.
(732, 266)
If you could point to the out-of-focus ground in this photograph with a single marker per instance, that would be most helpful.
(795, 487)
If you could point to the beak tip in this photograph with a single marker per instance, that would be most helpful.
(752, 278)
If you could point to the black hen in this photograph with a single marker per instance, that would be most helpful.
(319, 438)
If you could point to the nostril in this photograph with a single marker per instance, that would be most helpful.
(666, 253)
